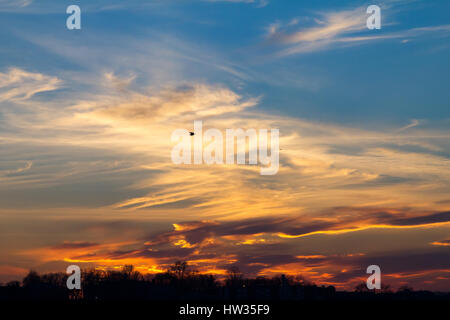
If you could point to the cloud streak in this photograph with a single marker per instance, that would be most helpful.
(214, 246)
(18, 85)
(337, 29)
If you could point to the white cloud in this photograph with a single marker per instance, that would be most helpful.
(414, 123)
(123, 137)
(258, 3)
(337, 29)
(20, 85)
(10, 4)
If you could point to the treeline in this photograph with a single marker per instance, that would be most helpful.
(180, 282)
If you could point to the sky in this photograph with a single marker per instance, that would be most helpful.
(86, 118)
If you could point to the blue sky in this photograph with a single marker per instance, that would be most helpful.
(370, 82)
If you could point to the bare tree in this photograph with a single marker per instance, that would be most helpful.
(234, 276)
(362, 287)
(179, 269)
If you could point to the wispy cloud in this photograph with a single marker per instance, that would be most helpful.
(413, 124)
(443, 243)
(12, 4)
(128, 128)
(329, 28)
(213, 246)
(257, 3)
(335, 29)
(19, 85)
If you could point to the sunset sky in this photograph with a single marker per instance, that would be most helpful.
(86, 118)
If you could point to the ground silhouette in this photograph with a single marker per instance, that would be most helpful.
(181, 283)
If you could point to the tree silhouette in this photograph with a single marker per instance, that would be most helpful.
(362, 287)
(32, 279)
(179, 269)
(386, 288)
(181, 282)
(234, 276)
(405, 289)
